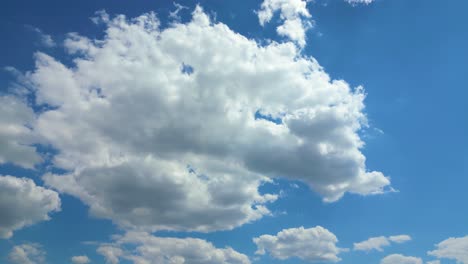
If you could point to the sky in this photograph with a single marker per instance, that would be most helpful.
(214, 131)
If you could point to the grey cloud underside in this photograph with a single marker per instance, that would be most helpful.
(152, 147)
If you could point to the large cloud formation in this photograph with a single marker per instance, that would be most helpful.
(313, 244)
(455, 248)
(176, 128)
(23, 203)
(146, 249)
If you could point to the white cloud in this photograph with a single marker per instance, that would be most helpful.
(400, 259)
(46, 40)
(150, 146)
(295, 15)
(452, 248)
(80, 259)
(146, 249)
(313, 244)
(400, 238)
(433, 262)
(16, 136)
(354, 2)
(22, 203)
(378, 243)
(27, 254)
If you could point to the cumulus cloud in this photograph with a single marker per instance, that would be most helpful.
(150, 145)
(400, 259)
(313, 244)
(16, 136)
(22, 203)
(294, 14)
(433, 262)
(80, 259)
(143, 248)
(30, 253)
(378, 243)
(452, 248)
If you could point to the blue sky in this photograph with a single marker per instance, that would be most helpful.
(128, 150)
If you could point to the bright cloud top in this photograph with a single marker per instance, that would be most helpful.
(378, 243)
(143, 248)
(22, 203)
(295, 16)
(141, 137)
(313, 244)
(452, 248)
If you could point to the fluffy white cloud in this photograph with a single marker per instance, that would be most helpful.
(110, 253)
(433, 262)
(151, 146)
(146, 249)
(400, 259)
(377, 243)
(354, 2)
(295, 15)
(80, 260)
(16, 137)
(27, 254)
(452, 248)
(313, 244)
(22, 203)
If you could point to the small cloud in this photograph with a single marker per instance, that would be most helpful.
(46, 40)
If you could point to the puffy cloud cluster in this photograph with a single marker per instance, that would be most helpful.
(80, 259)
(153, 146)
(16, 137)
(400, 259)
(377, 243)
(23, 203)
(295, 15)
(452, 248)
(27, 254)
(146, 249)
(313, 244)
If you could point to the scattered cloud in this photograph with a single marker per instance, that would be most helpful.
(16, 136)
(80, 260)
(378, 243)
(313, 244)
(146, 249)
(354, 2)
(294, 14)
(46, 40)
(433, 262)
(400, 259)
(29, 253)
(452, 248)
(22, 203)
